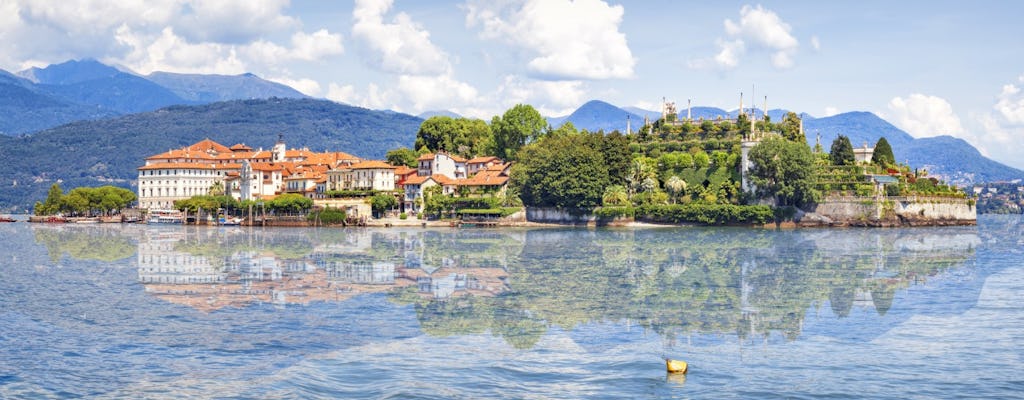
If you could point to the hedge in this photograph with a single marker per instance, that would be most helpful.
(711, 214)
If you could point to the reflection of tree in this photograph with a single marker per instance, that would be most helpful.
(677, 281)
(84, 243)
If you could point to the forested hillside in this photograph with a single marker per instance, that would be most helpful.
(108, 151)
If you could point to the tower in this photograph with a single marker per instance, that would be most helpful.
(740, 112)
(278, 152)
(688, 117)
(627, 125)
(765, 108)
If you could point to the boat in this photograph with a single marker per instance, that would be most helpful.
(4, 218)
(676, 366)
(229, 221)
(165, 217)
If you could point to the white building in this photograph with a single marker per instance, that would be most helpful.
(365, 175)
(441, 163)
(242, 172)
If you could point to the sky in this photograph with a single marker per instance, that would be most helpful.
(929, 67)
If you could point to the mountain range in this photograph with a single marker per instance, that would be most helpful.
(84, 123)
(41, 98)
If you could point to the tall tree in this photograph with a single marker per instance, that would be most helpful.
(790, 127)
(53, 202)
(784, 170)
(402, 156)
(842, 151)
(462, 136)
(883, 153)
(518, 126)
(561, 171)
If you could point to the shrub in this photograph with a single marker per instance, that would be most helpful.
(328, 216)
(711, 214)
(403, 216)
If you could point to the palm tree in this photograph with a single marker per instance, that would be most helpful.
(675, 187)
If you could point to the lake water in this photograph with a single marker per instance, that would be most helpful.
(135, 311)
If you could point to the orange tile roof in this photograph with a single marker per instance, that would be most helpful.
(207, 145)
(175, 165)
(442, 179)
(241, 147)
(416, 180)
(482, 160)
(485, 178)
(261, 166)
(372, 164)
(426, 157)
(403, 170)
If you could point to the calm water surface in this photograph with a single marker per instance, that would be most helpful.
(133, 311)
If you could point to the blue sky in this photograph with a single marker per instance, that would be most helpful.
(931, 68)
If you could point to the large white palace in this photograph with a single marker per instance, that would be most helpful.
(240, 171)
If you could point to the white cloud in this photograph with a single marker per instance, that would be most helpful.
(305, 47)
(757, 29)
(312, 47)
(1011, 103)
(170, 52)
(815, 43)
(1002, 129)
(234, 21)
(566, 40)
(399, 47)
(925, 116)
(342, 94)
(550, 98)
(830, 111)
(307, 86)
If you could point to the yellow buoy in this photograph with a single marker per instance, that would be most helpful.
(676, 366)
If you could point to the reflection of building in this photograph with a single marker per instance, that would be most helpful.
(159, 262)
(337, 269)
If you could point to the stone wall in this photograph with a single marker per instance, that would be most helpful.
(889, 211)
(553, 215)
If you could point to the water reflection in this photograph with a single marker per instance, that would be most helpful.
(518, 284)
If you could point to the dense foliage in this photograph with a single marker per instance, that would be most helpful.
(382, 202)
(86, 201)
(567, 171)
(402, 156)
(460, 136)
(514, 129)
(784, 170)
(883, 153)
(841, 152)
(327, 216)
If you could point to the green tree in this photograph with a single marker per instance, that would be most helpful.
(518, 126)
(567, 171)
(402, 156)
(614, 147)
(842, 151)
(615, 195)
(290, 203)
(883, 154)
(675, 187)
(382, 202)
(784, 170)
(790, 127)
(52, 204)
(462, 136)
(435, 201)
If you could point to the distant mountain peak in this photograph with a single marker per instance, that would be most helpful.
(70, 72)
